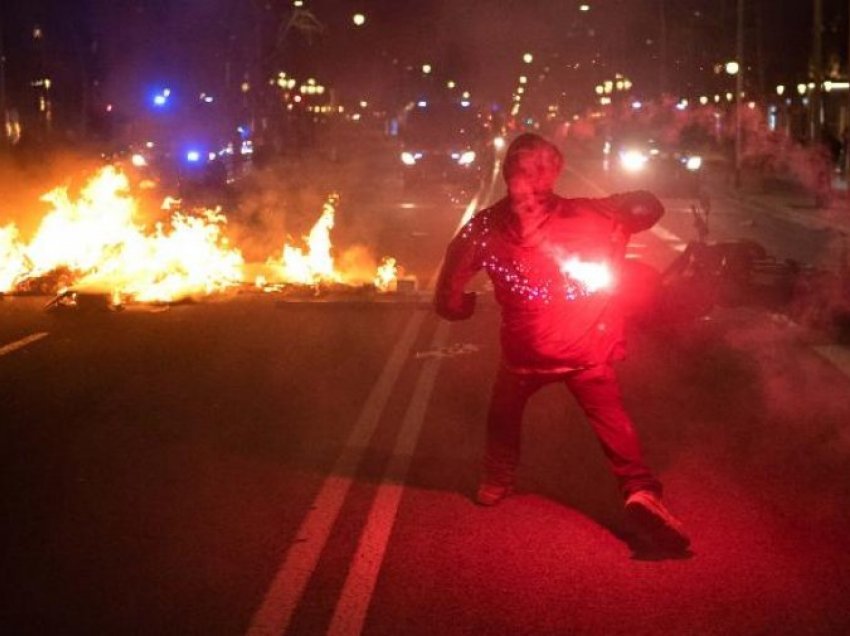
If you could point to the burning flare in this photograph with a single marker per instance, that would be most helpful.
(96, 239)
(591, 276)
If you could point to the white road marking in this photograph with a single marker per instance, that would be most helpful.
(667, 236)
(287, 587)
(839, 356)
(23, 342)
(350, 613)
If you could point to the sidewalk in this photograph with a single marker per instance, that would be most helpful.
(789, 199)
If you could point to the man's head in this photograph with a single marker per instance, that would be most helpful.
(532, 166)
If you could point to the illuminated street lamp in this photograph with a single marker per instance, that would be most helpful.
(358, 19)
(584, 7)
(732, 67)
(780, 90)
(426, 69)
(528, 58)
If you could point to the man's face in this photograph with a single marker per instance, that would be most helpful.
(530, 181)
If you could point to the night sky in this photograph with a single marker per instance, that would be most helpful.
(131, 45)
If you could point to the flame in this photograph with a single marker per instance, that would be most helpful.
(13, 263)
(387, 274)
(592, 276)
(96, 238)
(317, 263)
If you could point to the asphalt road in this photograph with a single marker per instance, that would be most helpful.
(249, 466)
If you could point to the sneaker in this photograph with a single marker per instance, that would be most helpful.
(489, 494)
(645, 509)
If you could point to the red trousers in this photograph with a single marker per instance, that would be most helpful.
(598, 393)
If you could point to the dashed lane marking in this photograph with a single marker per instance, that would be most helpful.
(839, 356)
(23, 342)
(356, 596)
(287, 587)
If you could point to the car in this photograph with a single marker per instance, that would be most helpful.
(441, 143)
(645, 159)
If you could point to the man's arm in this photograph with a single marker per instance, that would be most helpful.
(634, 211)
(459, 266)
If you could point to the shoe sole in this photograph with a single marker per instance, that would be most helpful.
(493, 500)
(662, 532)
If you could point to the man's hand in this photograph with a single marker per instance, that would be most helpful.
(460, 308)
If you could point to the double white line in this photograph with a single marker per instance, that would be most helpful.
(287, 587)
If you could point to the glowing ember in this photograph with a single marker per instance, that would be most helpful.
(96, 239)
(592, 276)
(387, 274)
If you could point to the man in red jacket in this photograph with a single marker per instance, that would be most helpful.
(554, 263)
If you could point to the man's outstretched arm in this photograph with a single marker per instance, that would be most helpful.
(635, 211)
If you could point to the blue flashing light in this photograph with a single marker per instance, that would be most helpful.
(159, 100)
(193, 156)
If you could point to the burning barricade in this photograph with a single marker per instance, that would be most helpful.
(95, 245)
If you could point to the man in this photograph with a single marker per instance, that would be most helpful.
(554, 264)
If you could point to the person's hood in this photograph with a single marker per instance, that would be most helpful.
(531, 167)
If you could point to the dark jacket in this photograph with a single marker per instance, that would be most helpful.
(552, 321)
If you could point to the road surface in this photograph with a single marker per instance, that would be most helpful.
(247, 466)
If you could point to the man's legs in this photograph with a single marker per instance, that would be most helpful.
(504, 432)
(598, 393)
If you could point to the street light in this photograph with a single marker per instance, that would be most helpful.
(358, 19)
(732, 67)
(528, 58)
(426, 69)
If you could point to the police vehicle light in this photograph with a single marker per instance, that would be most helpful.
(193, 156)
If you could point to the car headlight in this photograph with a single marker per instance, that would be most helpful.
(408, 158)
(693, 163)
(466, 158)
(633, 160)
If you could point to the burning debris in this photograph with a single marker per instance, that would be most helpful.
(94, 246)
(313, 270)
